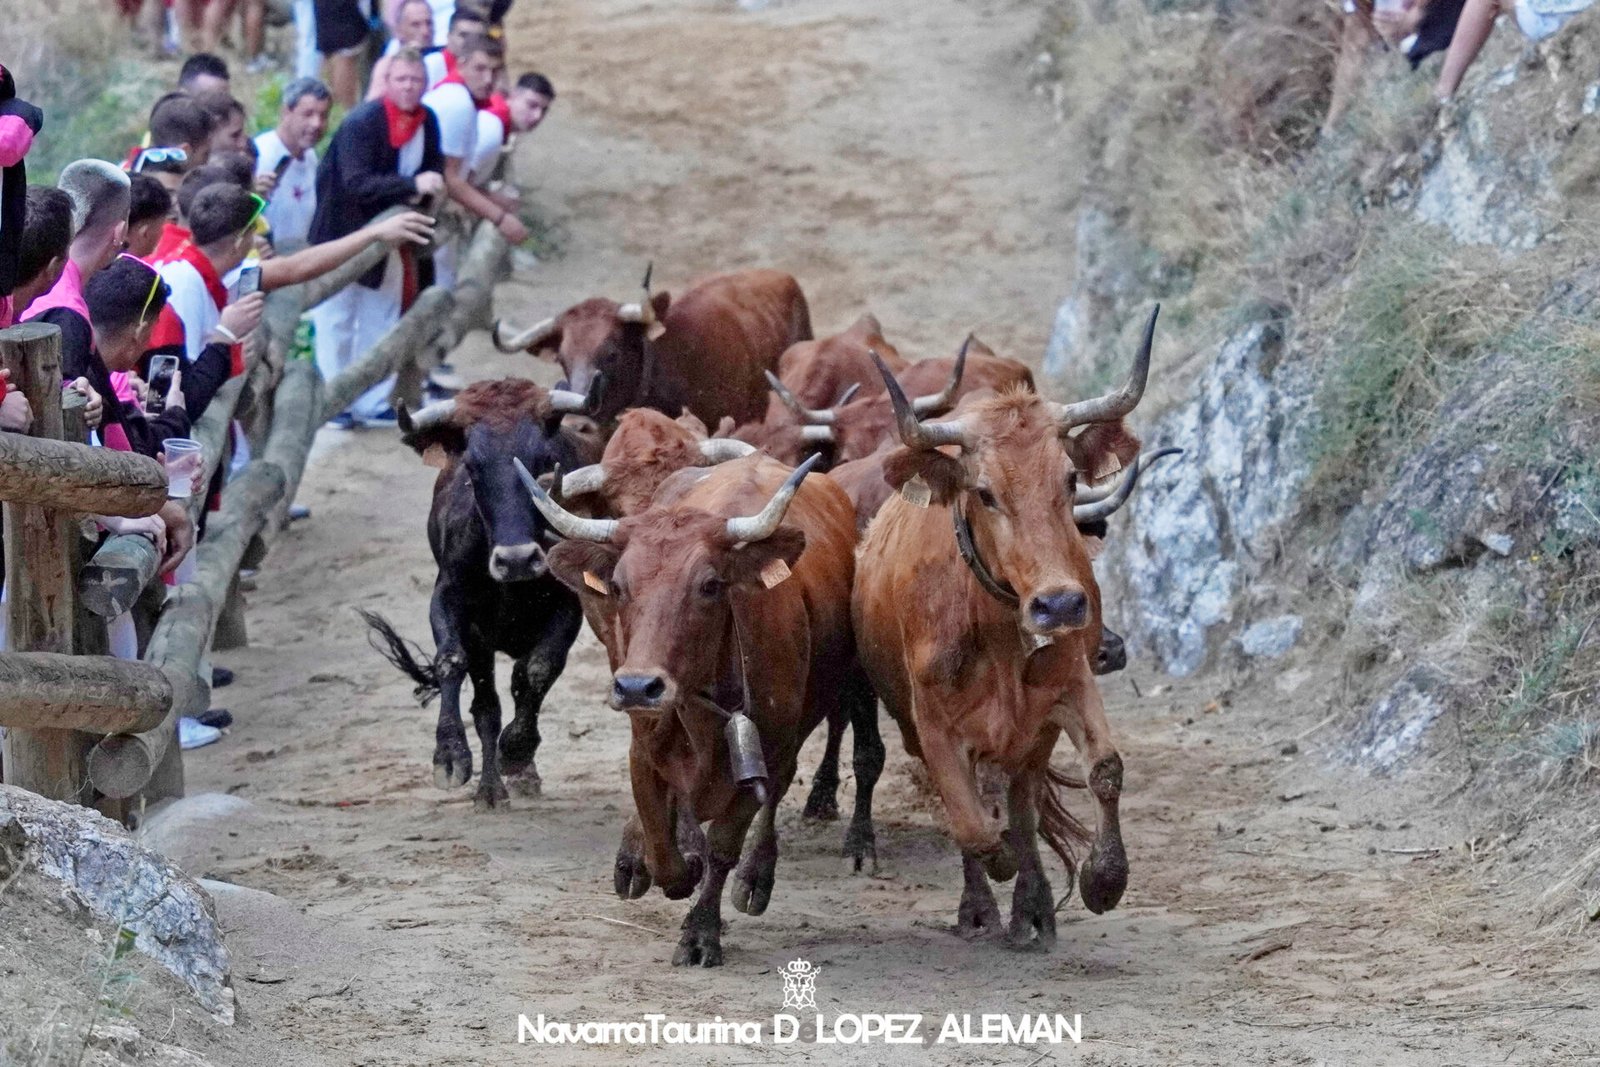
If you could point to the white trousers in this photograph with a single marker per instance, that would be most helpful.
(307, 60)
(349, 323)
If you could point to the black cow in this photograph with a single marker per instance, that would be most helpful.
(493, 592)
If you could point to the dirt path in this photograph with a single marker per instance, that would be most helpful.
(888, 155)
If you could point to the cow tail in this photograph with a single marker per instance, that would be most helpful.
(1061, 829)
(406, 655)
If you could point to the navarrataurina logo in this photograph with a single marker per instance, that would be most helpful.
(800, 984)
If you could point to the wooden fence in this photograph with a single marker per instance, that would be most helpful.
(80, 725)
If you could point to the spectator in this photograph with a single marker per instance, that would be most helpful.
(15, 414)
(307, 60)
(46, 241)
(216, 16)
(100, 197)
(227, 117)
(1417, 31)
(164, 166)
(288, 156)
(178, 121)
(149, 211)
(466, 24)
(204, 73)
(505, 117)
(342, 33)
(19, 121)
(1537, 19)
(413, 28)
(385, 154)
(456, 101)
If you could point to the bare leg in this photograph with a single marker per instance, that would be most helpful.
(1472, 31)
(255, 13)
(1355, 41)
(343, 80)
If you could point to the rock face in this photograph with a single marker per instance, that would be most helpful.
(104, 870)
(1200, 527)
(1391, 731)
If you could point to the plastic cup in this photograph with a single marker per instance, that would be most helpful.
(1389, 7)
(183, 458)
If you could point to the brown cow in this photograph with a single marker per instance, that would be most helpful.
(857, 427)
(704, 611)
(707, 351)
(978, 618)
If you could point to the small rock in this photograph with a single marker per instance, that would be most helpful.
(1289, 750)
(1271, 638)
(1498, 543)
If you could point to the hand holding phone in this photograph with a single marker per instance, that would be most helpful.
(249, 281)
(162, 371)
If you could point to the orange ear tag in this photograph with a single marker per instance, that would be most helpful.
(435, 456)
(594, 582)
(774, 573)
(916, 492)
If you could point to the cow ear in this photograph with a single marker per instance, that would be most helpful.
(943, 475)
(691, 422)
(725, 427)
(438, 446)
(1093, 545)
(578, 565)
(757, 563)
(1103, 449)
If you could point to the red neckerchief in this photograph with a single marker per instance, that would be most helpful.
(188, 253)
(172, 237)
(403, 125)
(500, 108)
(450, 68)
(455, 78)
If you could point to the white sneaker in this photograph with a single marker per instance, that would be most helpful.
(192, 733)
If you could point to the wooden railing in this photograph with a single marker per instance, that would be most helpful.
(93, 729)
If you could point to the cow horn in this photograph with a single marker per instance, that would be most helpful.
(941, 401)
(1093, 494)
(429, 417)
(817, 435)
(1108, 503)
(848, 395)
(915, 434)
(761, 526)
(536, 334)
(721, 449)
(590, 479)
(1113, 406)
(560, 519)
(809, 416)
(644, 312)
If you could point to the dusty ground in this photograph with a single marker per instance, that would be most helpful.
(1279, 911)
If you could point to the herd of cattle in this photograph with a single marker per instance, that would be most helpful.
(941, 567)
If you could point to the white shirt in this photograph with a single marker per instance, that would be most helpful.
(442, 10)
(458, 120)
(192, 304)
(486, 151)
(433, 63)
(294, 200)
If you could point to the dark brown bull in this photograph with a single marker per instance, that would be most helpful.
(708, 351)
(709, 602)
(973, 676)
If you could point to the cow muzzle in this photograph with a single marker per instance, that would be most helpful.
(640, 691)
(517, 563)
(1056, 609)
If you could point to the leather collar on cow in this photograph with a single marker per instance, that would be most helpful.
(968, 548)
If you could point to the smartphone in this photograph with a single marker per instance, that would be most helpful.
(249, 281)
(162, 368)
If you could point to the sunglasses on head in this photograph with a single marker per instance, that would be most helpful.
(159, 155)
(155, 285)
(256, 225)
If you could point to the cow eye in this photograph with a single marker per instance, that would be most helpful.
(711, 588)
(986, 498)
(1072, 483)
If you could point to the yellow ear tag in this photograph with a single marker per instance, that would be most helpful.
(916, 492)
(436, 456)
(774, 573)
(593, 581)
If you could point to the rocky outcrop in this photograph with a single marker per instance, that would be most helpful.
(1201, 527)
(102, 870)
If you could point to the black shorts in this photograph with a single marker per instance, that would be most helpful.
(340, 26)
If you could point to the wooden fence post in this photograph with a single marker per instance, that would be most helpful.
(40, 586)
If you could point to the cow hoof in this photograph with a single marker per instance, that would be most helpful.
(978, 918)
(489, 798)
(698, 948)
(1104, 876)
(687, 881)
(999, 862)
(821, 806)
(452, 770)
(1033, 916)
(524, 780)
(630, 876)
(861, 849)
(752, 884)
